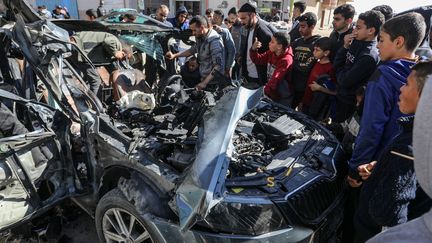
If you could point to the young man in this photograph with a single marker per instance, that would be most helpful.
(303, 56)
(279, 58)
(218, 17)
(356, 62)
(229, 45)
(388, 190)
(180, 20)
(299, 8)
(255, 74)
(209, 47)
(398, 40)
(342, 26)
(417, 230)
(60, 13)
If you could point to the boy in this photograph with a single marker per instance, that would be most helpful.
(387, 191)
(356, 62)
(303, 56)
(398, 40)
(323, 68)
(280, 59)
(190, 72)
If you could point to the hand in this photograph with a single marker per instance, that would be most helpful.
(119, 55)
(200, 86)
(348, 40)
(300, 106)
(353, 182)
(366, 169)
(256, 45)
(169, 55)
(314, 86)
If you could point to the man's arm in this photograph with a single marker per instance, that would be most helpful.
(186, 53)
(111, 44)
(376, 114)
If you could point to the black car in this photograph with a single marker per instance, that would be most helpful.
(198, 167)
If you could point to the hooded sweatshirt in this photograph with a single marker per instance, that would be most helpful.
(278, 67)
(379, 125)
(420, 229)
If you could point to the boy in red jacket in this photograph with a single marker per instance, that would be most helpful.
(322, 69)
(279, 58)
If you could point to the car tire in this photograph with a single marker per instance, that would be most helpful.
(117, 220)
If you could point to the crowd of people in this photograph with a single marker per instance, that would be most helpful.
(363, 81)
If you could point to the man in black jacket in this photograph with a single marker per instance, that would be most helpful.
(342, 26)
(255, 75)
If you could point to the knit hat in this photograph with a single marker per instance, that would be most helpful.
(247, 8)
(181, 9)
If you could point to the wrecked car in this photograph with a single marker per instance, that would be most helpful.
(198, 167)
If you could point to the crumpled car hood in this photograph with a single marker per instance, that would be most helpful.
(202, 187)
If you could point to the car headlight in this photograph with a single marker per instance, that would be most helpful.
(245, 218)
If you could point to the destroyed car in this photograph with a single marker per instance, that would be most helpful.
(195, 168)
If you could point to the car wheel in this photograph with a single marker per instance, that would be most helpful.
(117, 220)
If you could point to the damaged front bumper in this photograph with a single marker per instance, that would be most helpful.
(166, 231)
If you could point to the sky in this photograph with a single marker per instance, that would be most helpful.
(397, 5)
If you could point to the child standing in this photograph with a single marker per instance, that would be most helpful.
(279, 58)
(321, 81)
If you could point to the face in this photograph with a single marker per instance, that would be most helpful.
(182, 17)
(232, 18)
(304, 29)
(339, 22)
(318, 53)
(162, 14)
(361, 32)
(192, 65)
(210, 16)
(274, 45)
(296, 12)
(246, 19)
(409, 97)
(197, 31)
(386, 46)
(217, 19)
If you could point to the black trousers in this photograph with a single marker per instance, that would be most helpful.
(344, 110)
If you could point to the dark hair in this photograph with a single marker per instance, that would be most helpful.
(129, 16)
(386, 10)
(209, 11)
(373, 19)
(200, 21)
(282, 38)
(233, 10)
(220, 13)
(301, 5)
(346, 10)
(309, 17)
(324, 43)
(411, 26)
(91, 13)
(423, 70)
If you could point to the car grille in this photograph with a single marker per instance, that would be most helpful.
(313, 204)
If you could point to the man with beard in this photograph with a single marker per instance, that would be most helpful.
(255, 75)
(209, 48)
(342, 26)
